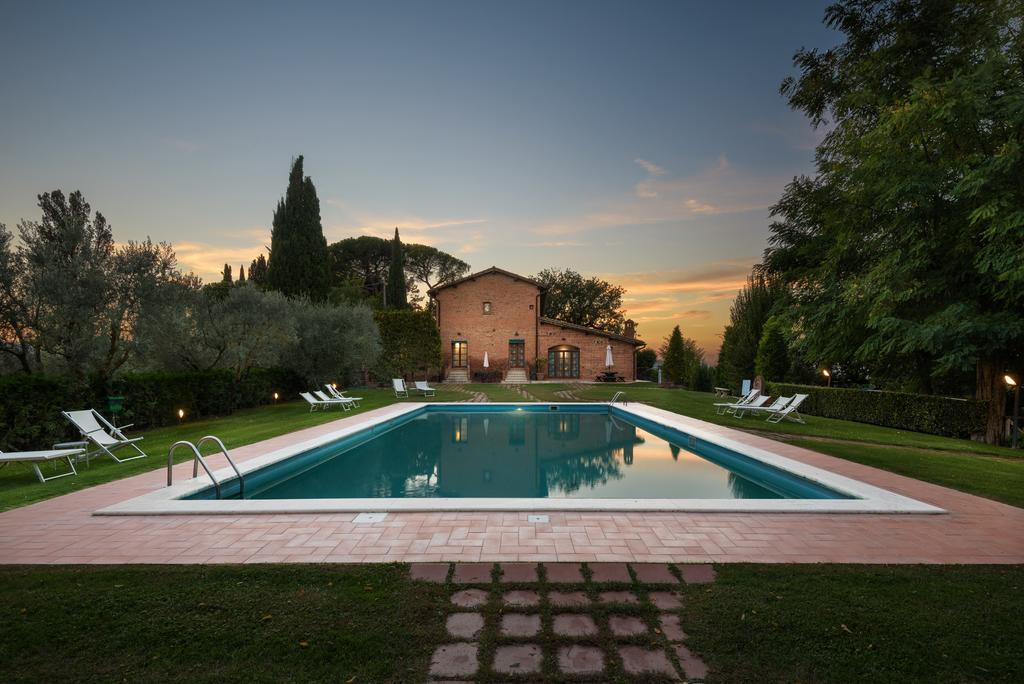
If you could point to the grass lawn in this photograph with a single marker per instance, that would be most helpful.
(756, 623)
(993, 477)
(19, 486)
(208, 623)
(821, 623)
(495, 391)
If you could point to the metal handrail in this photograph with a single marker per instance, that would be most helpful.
(195, 469)
(616, 396)
(223, 450)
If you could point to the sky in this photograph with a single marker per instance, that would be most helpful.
(642, 142)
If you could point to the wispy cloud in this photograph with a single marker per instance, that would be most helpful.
(555, 244)
(650, 167)
(719, 189)
(207, 260)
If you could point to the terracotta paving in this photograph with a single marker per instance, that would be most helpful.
(641, 641)
(63, 529)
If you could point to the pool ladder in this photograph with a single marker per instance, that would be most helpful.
(619, 395)
(199, 460)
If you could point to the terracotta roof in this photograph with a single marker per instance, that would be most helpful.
(593, 331)
(487, 271)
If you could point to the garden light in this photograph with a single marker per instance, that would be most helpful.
(1015, 425)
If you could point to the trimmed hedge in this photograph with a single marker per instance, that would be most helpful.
(30, 405)
(934, 415)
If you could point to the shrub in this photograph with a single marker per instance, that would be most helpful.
(410, 343)
(30, 405)
(934, 415)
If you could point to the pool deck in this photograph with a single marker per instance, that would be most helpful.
(64, 529)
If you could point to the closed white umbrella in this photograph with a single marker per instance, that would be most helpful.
(608, 361)
(486, 363)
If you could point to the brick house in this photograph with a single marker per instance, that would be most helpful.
(499, 313)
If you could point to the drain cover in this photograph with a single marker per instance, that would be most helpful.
(537, 518)
(370, 517)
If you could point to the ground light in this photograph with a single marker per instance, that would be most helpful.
(828, 376)
(181, 415)
(276, 397)
(1015, 425)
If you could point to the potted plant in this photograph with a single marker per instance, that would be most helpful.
(541, 367)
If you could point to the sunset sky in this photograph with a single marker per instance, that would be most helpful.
(639, 141)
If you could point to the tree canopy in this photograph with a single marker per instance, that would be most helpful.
(298, 264)
(71, 298)
(591, 302)
(904, 249)
(363, 263)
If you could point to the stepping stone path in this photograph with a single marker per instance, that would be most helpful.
(522, 391)
(478, 397)
(607, 621)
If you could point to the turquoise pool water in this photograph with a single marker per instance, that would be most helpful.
(563, 452)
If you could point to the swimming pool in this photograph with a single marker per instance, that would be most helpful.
(469, 457)
(532, 452)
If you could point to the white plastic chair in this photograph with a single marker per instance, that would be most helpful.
(427, 390)
(401, 391)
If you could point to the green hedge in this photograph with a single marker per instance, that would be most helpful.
(31, 405)
(917, 412)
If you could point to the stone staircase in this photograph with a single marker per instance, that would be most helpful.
(457, 375)
(516, 376)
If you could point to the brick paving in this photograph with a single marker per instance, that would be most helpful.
(637, 637)
(63, 529)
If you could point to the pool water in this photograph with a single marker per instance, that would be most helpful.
(539, 452)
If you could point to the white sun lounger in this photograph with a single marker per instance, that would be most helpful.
(340, 394)
(398, 384)
(422, 386)
(757, 402)
(790, 411)
(315, 403)
(34, 458)
(344, 403)
(97, 431)
(724, 407)
(776, 405)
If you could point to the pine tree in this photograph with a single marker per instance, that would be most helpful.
(226, 274)
(298, 264)
(241, 273)
(772, 355)
(674, 363)
(396, 295)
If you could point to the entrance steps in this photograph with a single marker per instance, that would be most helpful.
(516, 376)
(457, 375)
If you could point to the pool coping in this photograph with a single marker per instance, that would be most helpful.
(870, 499)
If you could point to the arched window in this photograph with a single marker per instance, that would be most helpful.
(564, 361)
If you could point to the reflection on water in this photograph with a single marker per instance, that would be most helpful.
(517, 454)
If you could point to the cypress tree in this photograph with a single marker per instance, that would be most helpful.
(226, 274)
(241, 273)
(674, 363)
(772, 360)
(298, 251)
(258, 270)
(396, 295)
